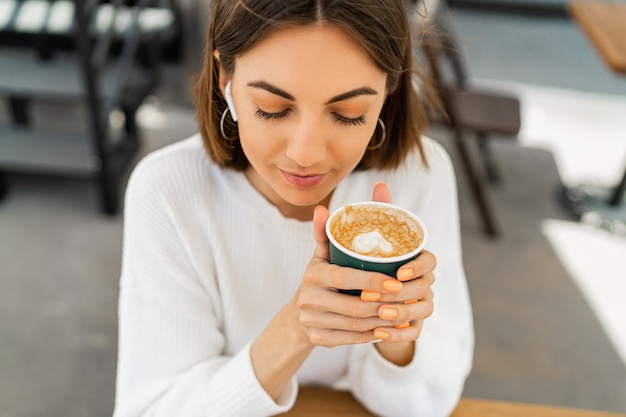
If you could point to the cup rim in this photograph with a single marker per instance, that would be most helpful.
(375, 259)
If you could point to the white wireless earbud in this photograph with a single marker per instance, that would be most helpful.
(229, 101)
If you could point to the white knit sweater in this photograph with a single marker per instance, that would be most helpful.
(208, 262)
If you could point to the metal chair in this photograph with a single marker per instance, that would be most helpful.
(101, 65)
(470, 114)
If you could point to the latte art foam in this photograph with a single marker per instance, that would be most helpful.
(371, 242)
(381, 232)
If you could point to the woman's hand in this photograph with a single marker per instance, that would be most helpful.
(388, 309)
(413, 302)
(328, 317)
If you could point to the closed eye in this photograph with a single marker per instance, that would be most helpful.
(348, 121)
(272, 116)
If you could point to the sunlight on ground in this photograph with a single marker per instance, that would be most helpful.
(595, 260)
(586, 133)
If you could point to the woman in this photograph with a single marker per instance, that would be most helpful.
(228, 302)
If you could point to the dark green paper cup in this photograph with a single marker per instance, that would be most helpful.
(339, 255)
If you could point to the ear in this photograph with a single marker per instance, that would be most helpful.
(223, 77)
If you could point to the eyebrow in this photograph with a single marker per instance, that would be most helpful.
(343, 96)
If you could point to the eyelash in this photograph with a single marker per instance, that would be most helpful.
(346, 121)
(272, 116)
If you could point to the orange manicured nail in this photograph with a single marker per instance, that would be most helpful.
(380, 334)
(392, 285)
(410, 301)
(405, 274)
(403, 325)
(388, 313)
(370, 295)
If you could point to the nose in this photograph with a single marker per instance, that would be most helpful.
(307, 145)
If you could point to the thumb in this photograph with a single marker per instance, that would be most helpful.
(381, 193)
(320, 216)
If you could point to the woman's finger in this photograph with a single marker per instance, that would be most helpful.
(320, 216)
(336, 302)
(425, 262)
(393, 334)
(381, 193)
(407, 312)
(411, 291)
(313, 319)
(332, 338)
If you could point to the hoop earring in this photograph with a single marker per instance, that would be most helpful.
(222, 120)
(383, 137)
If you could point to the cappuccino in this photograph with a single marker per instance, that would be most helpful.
(380, 231)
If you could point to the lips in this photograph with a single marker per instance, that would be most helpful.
(303, 181)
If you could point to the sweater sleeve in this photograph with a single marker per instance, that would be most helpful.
(171, 358)
(432, 384)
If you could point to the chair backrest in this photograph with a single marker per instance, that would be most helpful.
(438, 42)
(460, 104)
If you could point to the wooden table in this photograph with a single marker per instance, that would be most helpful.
(604, 23)
(323, 402)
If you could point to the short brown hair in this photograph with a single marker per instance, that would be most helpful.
(381, 26)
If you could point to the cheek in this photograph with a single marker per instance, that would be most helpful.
(258, 139)
(352, 141)
(349, 144)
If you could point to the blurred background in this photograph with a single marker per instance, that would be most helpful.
(547, 279)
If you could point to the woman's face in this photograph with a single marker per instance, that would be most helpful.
(308, 101)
